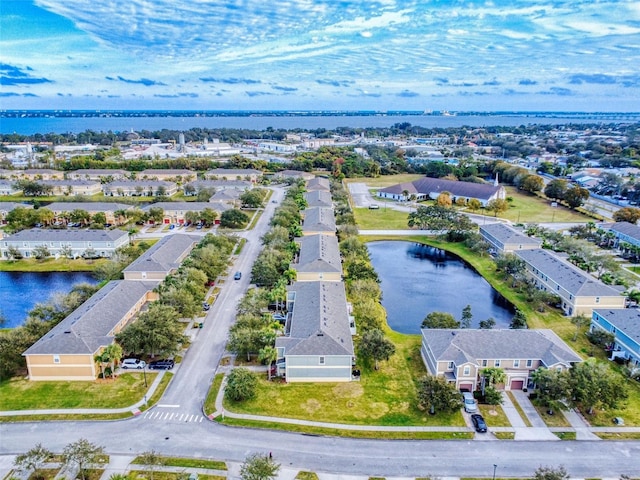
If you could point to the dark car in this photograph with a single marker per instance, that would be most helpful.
(479, 423)
(205, 306)
(165, 364)
(237, 276)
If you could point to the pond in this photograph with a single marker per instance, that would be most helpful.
(20, 291)
(417, 280)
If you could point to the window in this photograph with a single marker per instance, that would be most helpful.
(597, 299)
(321, 360)
(466, 371)
(450, 366)
(56, 359)
(496, 363)
(516, 363)
(529, 363)
(485, 362)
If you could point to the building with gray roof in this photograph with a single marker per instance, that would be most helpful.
(579, 292)
(319, 183)
(215, 185)
(7, 207)
(139, 188)
(459, 355)
(174, 212)
(73, 243)
(506, 239)
(59, 209)
(68, 350)
(624, 324)
(98, 174)
(162, 258)
(249, 174)
(317, 346)
(318, 220)
(9, 188)
(624, 232)
(318, 198)
(318, 259)
(427, 187)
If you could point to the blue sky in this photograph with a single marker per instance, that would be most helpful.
(321, 54)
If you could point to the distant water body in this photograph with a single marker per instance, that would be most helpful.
(32, 125)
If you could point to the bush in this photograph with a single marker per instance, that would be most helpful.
(241, 385)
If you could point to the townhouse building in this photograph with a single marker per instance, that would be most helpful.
(318, 259)
(139, 188)
(624, 324)
(460, 355)
(579, 292)
(506, 239)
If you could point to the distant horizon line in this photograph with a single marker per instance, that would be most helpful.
(243, 112)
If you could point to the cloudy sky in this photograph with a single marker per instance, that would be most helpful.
(578, 55)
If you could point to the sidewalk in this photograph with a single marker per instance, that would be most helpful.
(538, 430)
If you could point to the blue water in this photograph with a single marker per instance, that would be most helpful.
(20, 291)
(29, 126)
(417, 280)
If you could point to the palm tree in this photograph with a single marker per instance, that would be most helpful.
(269, 355)
(111, 354)
(492, 376)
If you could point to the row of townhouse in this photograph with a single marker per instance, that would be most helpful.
(65, 242)
(579, 292)
(68, 351)
(317, 345)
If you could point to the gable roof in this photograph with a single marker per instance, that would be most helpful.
(319, 183)
(428, 185)
(319, 320)
(473, 345)
(318, 253)
(165, 255)
(626, 320)
(318, 198)
(318, 219)
(625, 228)
(87, 206)
(89, 326)
(66, 235)
(184, 206)
(569, 277)
(506, 234)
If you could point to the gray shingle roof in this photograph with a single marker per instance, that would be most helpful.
(569, 277)
(471, 345)
(233, 171)
(318, 219)
(150, 172)
(185, 206)
(625, 320)
(625, 228)
(87, 206)
(318, 198)
(223, 184)
(165, 255)
(8, 206)
(64, 235)
(87, 328)
(319, 321)
(506, 234)
(319, 183)
(427, 185)
(318, 253)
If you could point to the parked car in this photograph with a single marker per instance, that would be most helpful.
(133, 363)
(237, 276)
(373, 206)
(478, 423)
(164, 364)
(278, 317)
(205, 306)
(172, 226)
(469, 402)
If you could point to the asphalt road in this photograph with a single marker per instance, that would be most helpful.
(192, 435)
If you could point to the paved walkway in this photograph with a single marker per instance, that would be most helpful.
(538, 429)
(581, 427)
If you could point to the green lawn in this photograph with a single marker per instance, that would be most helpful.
(494, 416)
(527, 208)
(21, 394)
(385, 180)
(51, 265)
(185, 463)
(383, 397)
(383, 218)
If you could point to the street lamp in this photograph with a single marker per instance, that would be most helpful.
(494, 471)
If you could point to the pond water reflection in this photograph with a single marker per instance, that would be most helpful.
(20, 291)
(417, 280)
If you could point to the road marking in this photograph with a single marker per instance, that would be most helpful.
(169, 406)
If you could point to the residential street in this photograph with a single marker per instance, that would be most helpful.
(177, 426)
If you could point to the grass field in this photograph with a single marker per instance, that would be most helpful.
(383, 397)
(21, 394)
(383, 218)
(526, 208)
(385, 180)
(51, 265)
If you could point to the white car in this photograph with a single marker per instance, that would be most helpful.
(133, 363)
